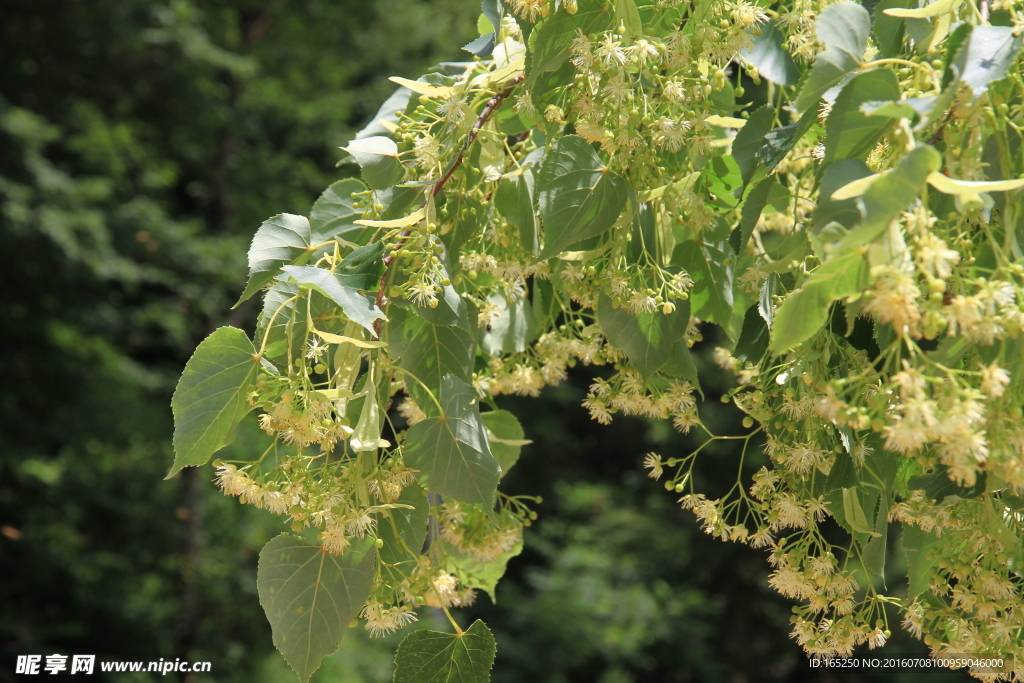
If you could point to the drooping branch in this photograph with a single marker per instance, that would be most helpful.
(485, 115)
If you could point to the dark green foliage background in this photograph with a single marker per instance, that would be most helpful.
(142, 142)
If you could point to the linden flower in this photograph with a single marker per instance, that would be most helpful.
(652, 461)
(381, 620)
(315, 349)
(233, 482)
(994, 380)
(934, 257)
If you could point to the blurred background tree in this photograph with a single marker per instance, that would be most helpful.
(141, 144)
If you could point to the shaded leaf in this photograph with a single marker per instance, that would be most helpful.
(753, 341)
(435, 657)
(647, 338)
(578, 196)
(778, 143)
(921, 558)
(770, 58)
(387, 114)
(750, 139)
(281, 240)
(750, 213)
(333, 214)
(406, 525)
(711, 297)
(429, 352)
(849, 132)
(310, 596)
(209, 400)
(362, 267)
(888, 29)
(514, 200)
(505, 435)
(839, 174)
(451, 450)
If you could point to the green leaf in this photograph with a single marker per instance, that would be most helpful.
(209, 400)
(987, 56)
(388, 113)
(514, 200)
(477, 574)
(805, 311)
(647, 338)
(843, 474)
(358, 307)
(938, 486)
(770, 58)
(711, 297)
(778, 143)
(281, 240)
(844, 29)
(910, 108)
(889, 29)
(748, 141)
(377, 157)
(680, 364)
(854, 513)
(310, 596)
(750, 213)
(451, 450)
(848, 132)
(429, 352)
(753, 341)
(874, 550)
(505, 435)
(362, 267)
(451, 308)
(891, 193)
(397, 201)
(921, 558)
(549, 42)
(406, 525)
(845, 212)
(509, 328)
(325, 315)
(435, 657)
(578, 196)
(333, 214)
(627, 15)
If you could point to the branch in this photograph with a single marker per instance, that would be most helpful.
(492, 106)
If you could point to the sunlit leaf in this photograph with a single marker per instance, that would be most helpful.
(377, 157)
(844, 29)
(358, 307)
(280, 241)
(210, 399)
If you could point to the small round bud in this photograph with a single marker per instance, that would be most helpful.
(748, 422)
